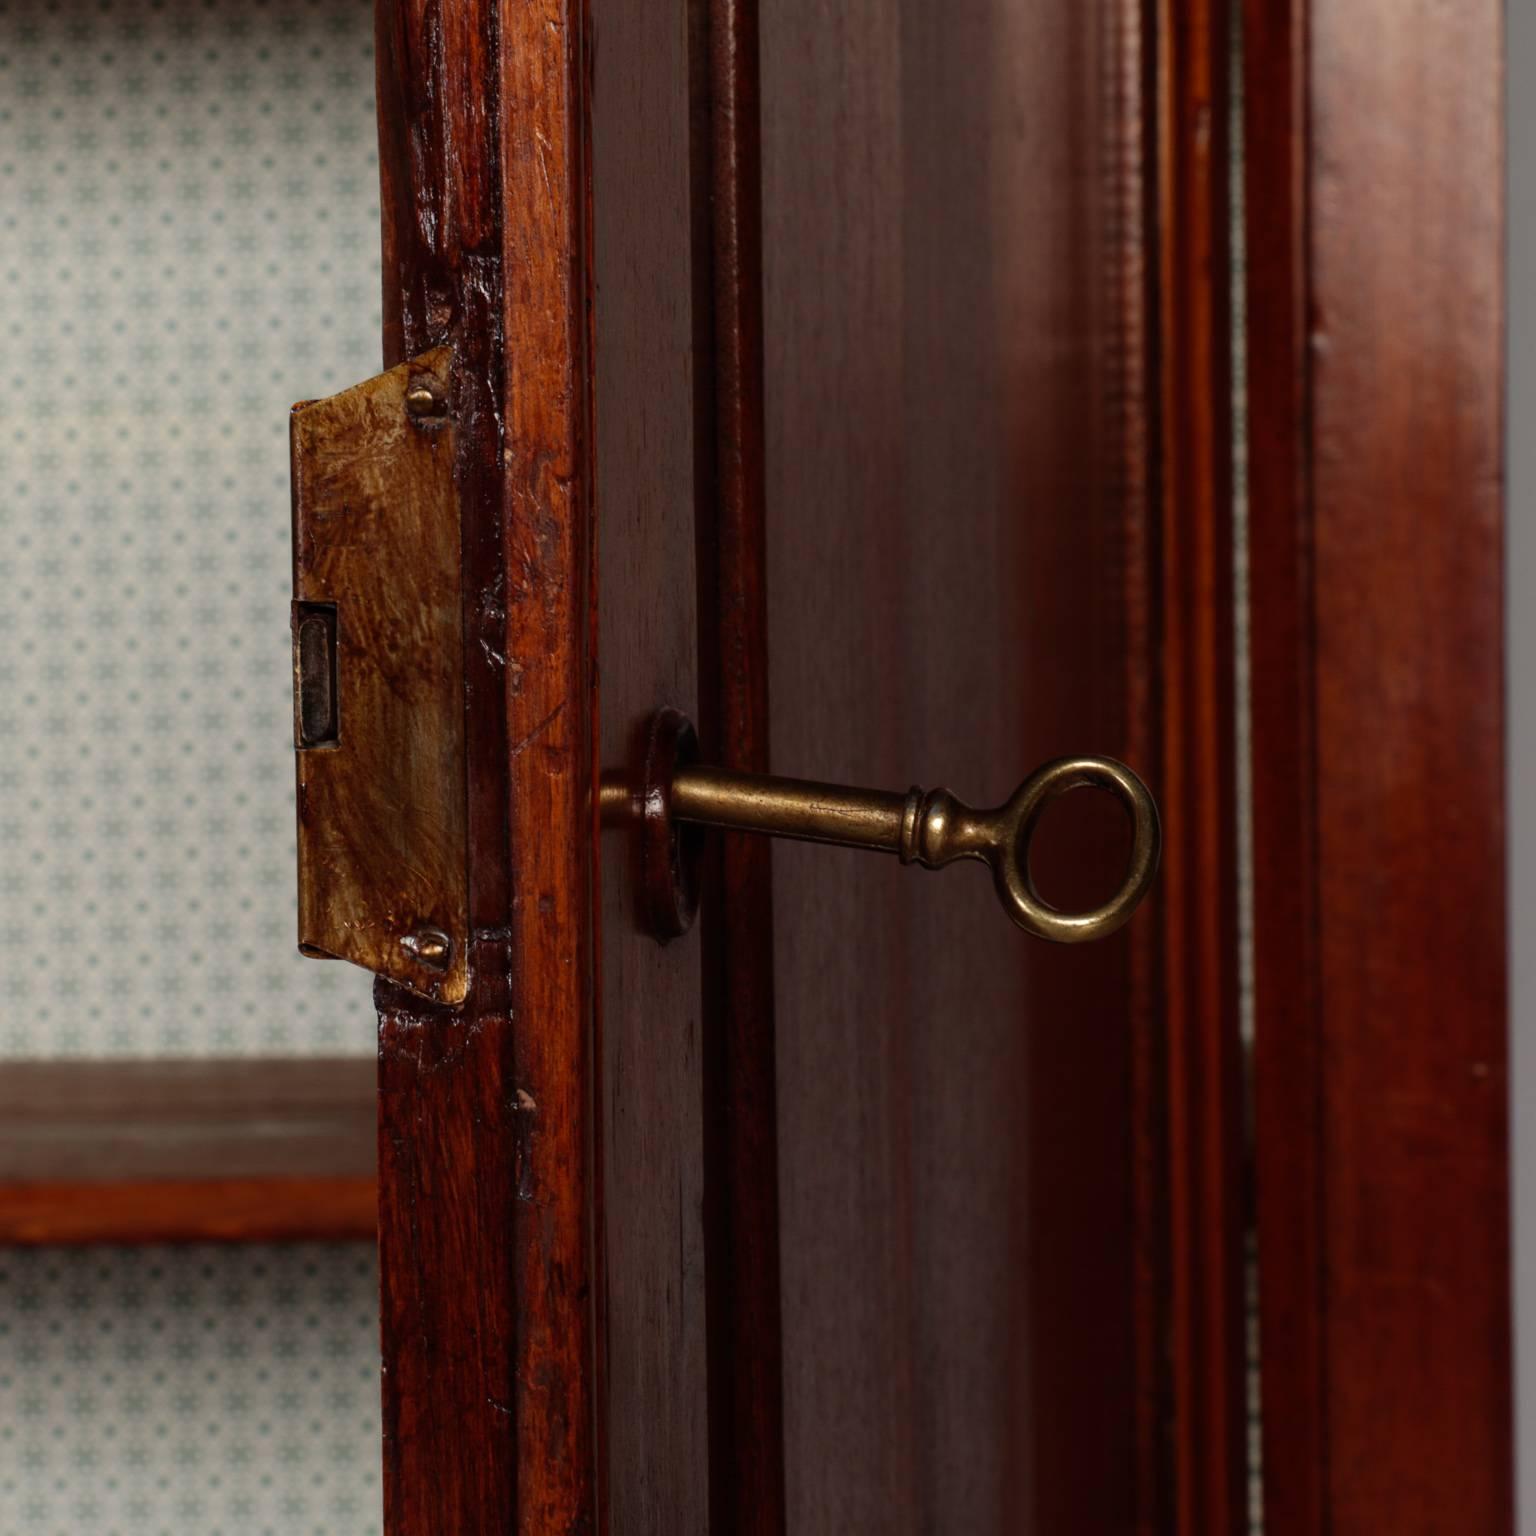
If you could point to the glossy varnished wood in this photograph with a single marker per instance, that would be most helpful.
(739, 1061)
(958, 581)
(650, 379)
(279, 1209)
(1288, 1151)
(952, 481)
(485, 1136)
(1200, 1219)
(186, 1151)
(1375, 387)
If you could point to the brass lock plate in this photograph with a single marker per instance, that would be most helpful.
(378, 658)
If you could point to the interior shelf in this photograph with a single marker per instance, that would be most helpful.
(234, 1150)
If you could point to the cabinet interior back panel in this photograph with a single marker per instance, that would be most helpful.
(189, 242)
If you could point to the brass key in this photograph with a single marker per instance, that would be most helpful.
(927, 827)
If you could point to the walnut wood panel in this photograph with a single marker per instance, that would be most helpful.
(954, 210)
(186, 1151)
(650, 375)
(1375, 387)
(381, 797)
(485, 1130)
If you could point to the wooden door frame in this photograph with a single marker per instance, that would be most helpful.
(1375, 338)
(489, 1142)
(1200, 1224)
(486, 1137)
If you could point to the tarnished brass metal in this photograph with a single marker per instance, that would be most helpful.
(315, 722)
(379, 680)
(431, 946)
(424, 398)
(927, 827)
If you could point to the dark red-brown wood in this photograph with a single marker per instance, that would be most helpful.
(874, 394)
(1375, 314)
(1289, 1148)
(740, 1065)
(266, 1209)
(960, 581)
(1200, 1219)
(651, 381)
(382, 838)
(186, 1151)
(485, 1133)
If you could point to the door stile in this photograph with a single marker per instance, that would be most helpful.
(486, 1157)
(1288, 1168)
(1196, 933)
(1381, 1118)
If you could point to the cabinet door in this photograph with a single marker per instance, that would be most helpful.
(803, 383)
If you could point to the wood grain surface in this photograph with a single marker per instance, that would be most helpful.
(306, 1209)
(1375, 226)
(186, 1151)
(740, 1082)
(947, 548)
(486, 1141)
(650, 379)
(1202, 1215)
(1288, 1150)
(959, 584)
